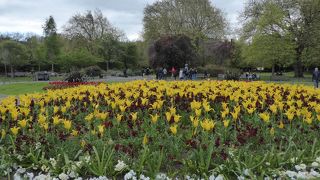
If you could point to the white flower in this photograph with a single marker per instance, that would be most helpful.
(293, 160)
(162, 176)
(220, 177)
(72, 174)
(44, 168)
(300, 167)
(212, 177)
(314, 173)
(21, 170)
(315, 164)
(87, 159)
(267, 163)
(79, 178)
(53, 162)
(17, 176)
(302, 175)
(20, 157)
(241, 178)
(42, 177)
(120, 166)
(63, 176)
(291, 174)
(130, 175)
(246, 172)
(318, 159)
(38, 145)
(29, 176)
(142, 177)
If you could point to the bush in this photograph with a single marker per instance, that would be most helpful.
(212, 70)
(233, 74)
(93, 71)
(76, 77)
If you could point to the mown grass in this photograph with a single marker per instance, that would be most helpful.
(22, 88)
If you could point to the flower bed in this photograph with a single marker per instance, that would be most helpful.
(62, 85)
(160, 130)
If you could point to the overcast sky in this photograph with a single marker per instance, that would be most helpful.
(29, 15)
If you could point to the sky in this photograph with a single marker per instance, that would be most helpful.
(29, 15)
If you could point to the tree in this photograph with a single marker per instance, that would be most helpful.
(78, 58)
(51, 41)
(270, 51)
(128, 54)
(171, 51)
(197, 19)
(13, 54)
(294, 18)
(90, 28)
(36, 51)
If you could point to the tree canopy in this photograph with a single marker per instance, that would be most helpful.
(197, 19)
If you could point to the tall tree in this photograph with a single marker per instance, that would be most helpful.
(270, 51)
(90, 28)
(51, 41)
(13, 54)
(295, 18)
(197, 19)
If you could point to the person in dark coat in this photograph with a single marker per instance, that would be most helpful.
(315, 77)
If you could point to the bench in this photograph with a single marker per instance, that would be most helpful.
(221, 76)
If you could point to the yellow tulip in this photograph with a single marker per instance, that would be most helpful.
(281, 125)
(265, 116)
(198, 112)
(119, 117)
(67, 124)
(273, 108)
(56, 120)
(74, 133)
(195, 122)
(207, 124)
(89, 117)
(3, 133)
(101, 129)
(172, 110)
(14, 130)
(154, 118)
(145, 140)
(176, 118)
(134, 116)
(173, 129)
(226, 123)
(234, 115)
(122, 108)
(290, 115)
(168, 116)
(272, 131)
(83, 143)
(22, 123)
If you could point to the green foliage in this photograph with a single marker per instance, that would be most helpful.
(13, 53)
(78, 58)
(270, 50)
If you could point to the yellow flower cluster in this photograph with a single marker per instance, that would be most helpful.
(197, 105)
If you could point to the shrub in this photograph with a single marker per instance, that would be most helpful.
(233, 74)
(212, 70)
(76, 77)
(93, 71)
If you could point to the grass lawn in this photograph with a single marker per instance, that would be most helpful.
(22, 88)
(4, 79)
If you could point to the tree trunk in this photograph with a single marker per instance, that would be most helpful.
(12, 71)
(38, 67)
(273, 69)
(5, 70)
(107, 65)
(52, 68)
(298, 66)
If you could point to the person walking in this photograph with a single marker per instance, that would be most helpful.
(315, 77)
(164, 72)
(181, 74)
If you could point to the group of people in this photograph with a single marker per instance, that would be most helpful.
(183, 73)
